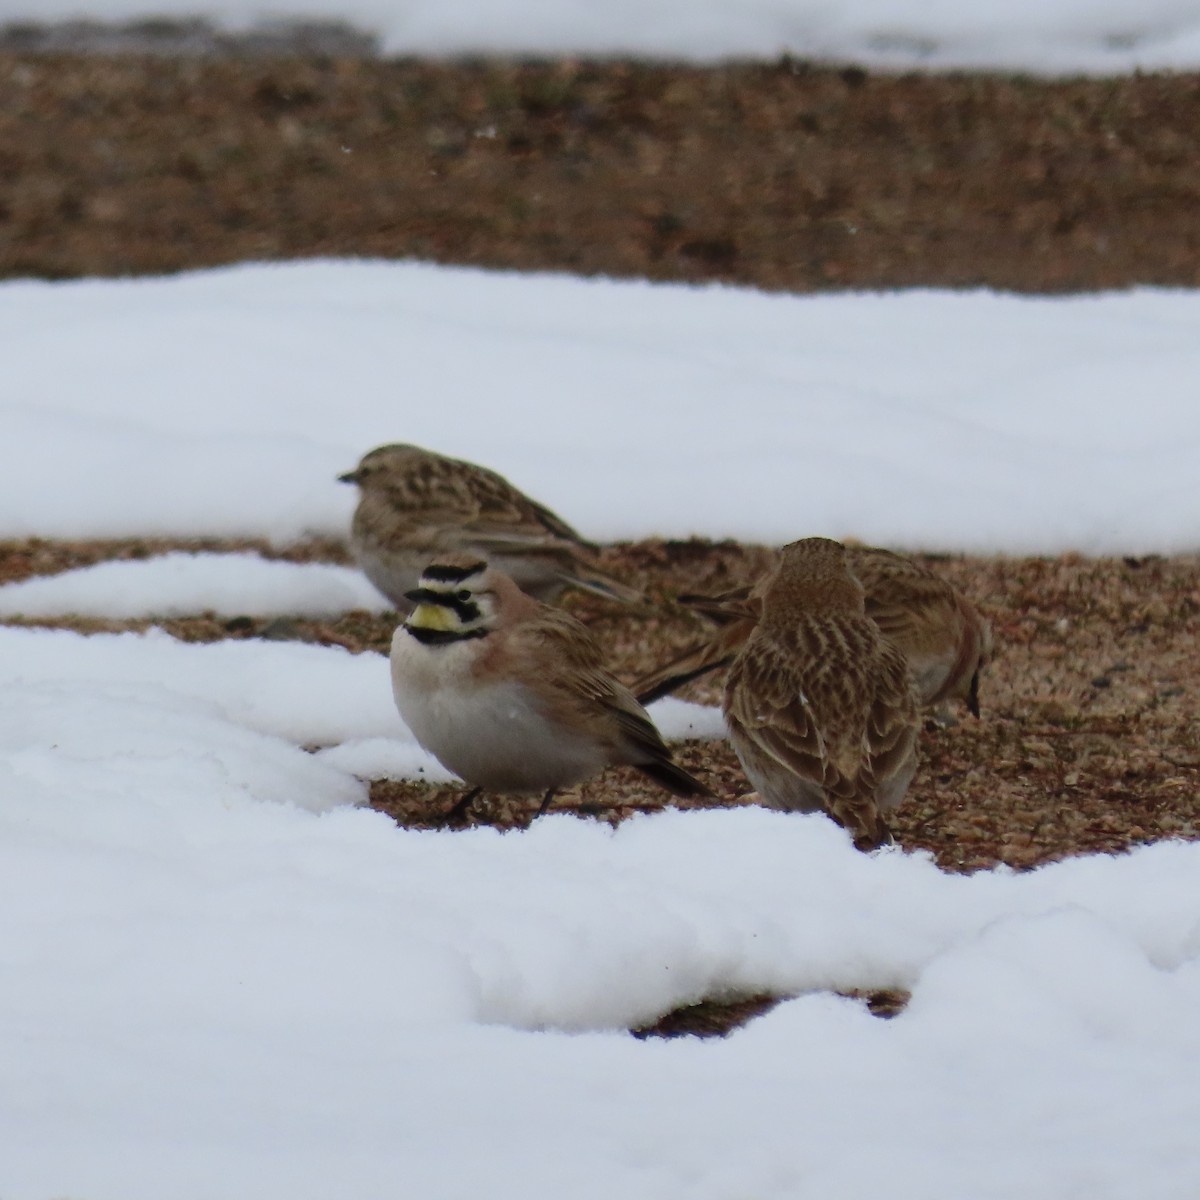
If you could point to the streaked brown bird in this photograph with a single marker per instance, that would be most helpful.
(940, 632)
(821, 707)
(512, 695)
(415, 505)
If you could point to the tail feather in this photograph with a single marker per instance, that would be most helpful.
(693, 665)
(589, 579)
(674, 778)
(719, 651)
(738, 604)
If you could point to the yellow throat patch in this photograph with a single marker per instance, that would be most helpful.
(434, 616)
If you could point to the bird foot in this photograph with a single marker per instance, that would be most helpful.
(456, 816)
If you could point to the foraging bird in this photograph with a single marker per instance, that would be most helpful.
(821, 707)
(940, 632)
(416, 505)
(511, 694)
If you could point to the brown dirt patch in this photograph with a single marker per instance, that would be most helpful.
(781, 175)
(719, 1017)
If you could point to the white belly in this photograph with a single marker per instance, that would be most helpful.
(491, 735)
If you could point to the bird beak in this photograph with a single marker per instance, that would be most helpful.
(417, 595)
(349, 477)
(435, 617)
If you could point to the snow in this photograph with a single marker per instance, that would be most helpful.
(939, 420)
(1065, 36)
(221, 974)
(205, 991)
(179, 584)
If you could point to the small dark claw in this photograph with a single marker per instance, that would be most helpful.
(545, 804)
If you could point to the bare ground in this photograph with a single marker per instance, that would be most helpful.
(782, 175)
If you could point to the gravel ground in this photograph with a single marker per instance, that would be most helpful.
(783, 175)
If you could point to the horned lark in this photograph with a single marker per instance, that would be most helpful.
(416, 505)
(511, 694)
(821, 706)
(940, 632)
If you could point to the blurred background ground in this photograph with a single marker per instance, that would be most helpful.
(297, 142)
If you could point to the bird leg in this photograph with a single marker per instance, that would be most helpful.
(973, 695)
(458, 813)
(545, 804)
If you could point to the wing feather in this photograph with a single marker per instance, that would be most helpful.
(581, 689)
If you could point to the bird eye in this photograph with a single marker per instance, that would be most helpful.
(463, 594)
